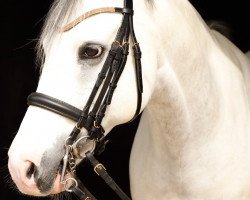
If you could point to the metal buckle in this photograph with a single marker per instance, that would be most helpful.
(100, 166)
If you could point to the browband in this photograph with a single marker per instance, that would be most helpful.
(95, 12)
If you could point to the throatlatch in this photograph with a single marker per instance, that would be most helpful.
(91, 118)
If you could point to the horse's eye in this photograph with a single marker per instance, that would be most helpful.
(90, 51)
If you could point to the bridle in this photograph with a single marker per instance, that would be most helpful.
(91, 118)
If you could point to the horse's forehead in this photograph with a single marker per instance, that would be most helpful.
(87, 15)
(87, 5)
(86, 9)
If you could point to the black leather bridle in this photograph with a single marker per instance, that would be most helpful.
(91, 118)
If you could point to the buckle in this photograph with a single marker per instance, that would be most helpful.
(100, 167)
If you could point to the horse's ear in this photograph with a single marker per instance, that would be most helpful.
(222, 27)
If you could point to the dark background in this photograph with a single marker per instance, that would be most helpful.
(20, 24)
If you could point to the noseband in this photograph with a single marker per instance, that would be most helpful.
(91, 118)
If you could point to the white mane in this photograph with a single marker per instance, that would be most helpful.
(60, 13)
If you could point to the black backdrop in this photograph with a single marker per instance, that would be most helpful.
(20, 23)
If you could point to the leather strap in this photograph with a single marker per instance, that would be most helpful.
(100, 170)
(55, 105)
(81, 192)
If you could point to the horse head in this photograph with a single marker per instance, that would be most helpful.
(76, 50)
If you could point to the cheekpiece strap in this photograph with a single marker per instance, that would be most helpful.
(101, 171)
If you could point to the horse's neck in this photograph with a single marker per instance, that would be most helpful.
(197, 80)
(193, 106)
(186, 95)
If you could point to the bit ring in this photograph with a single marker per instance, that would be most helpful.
(68, 188)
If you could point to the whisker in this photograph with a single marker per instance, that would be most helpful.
(4, 172)
(26, 44)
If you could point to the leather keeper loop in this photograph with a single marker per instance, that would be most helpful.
(90, 120)
(125, 10)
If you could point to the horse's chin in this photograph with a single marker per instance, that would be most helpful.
(57, 186)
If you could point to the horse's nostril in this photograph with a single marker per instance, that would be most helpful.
(31, 170)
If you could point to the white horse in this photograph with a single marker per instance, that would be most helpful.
(193, 140)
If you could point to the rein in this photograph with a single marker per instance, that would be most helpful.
(91, 118)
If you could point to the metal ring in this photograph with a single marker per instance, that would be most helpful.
(96, 126)
(66, 142)
(93, 148)
(77, 127)
(68, 188)
(81, 138)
